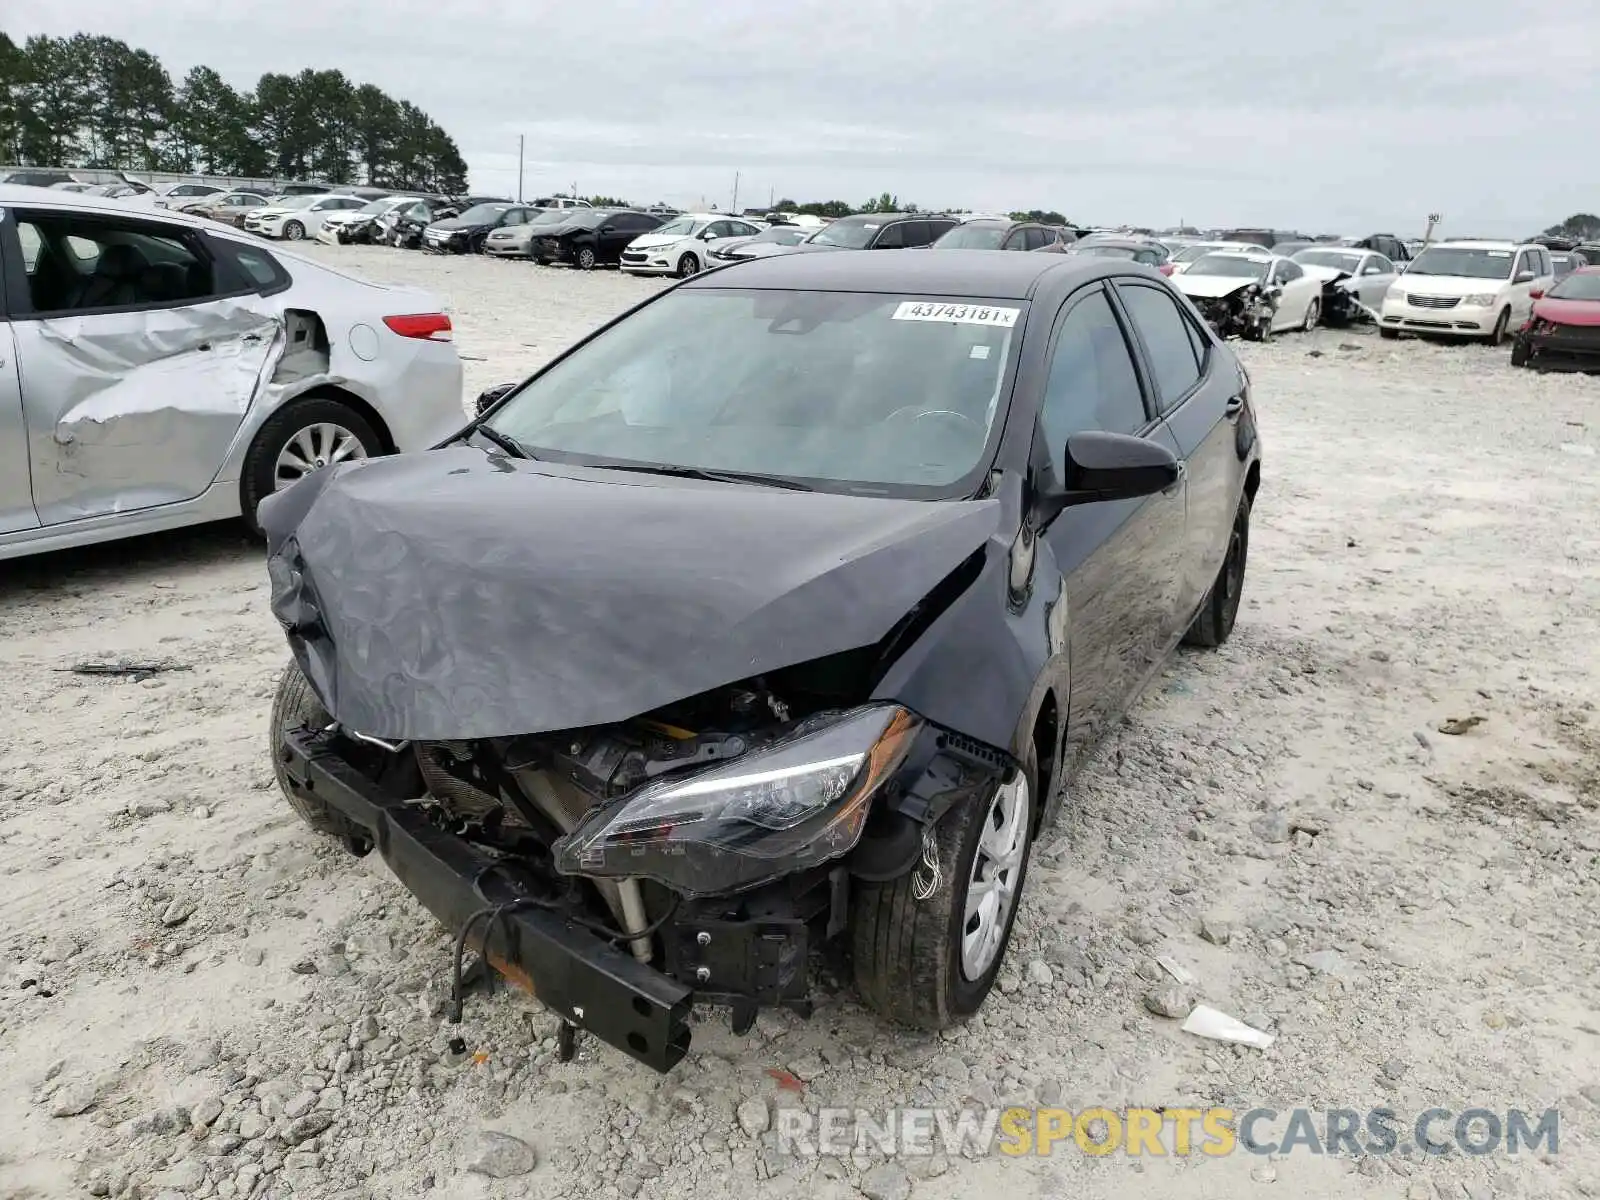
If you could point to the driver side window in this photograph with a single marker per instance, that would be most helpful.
(1093, 383)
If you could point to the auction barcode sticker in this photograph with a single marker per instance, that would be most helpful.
(961, 314)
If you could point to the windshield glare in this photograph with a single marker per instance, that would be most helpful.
(1465, 263)
(836, 388)
(783, 235)
(681, 227)
(297, 201)
(1328, 258)
(1229, 266)
(972, 237)
(484, 212)
(1584, 285)
(848, 234)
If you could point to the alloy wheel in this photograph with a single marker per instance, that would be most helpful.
(294, 231)
(996, 870)
(314, 447)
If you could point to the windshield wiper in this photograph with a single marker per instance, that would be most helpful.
(707, 473)
(509, 444)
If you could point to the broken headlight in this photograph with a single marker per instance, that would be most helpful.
(793, 804)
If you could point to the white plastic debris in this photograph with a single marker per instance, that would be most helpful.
(1208, 1022)
(1175, 968)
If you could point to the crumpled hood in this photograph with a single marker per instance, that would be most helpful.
(1209, 286)
(1325, 274)
(1568, 312)
(458, 594)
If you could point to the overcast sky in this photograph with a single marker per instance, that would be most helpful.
(1352, 118)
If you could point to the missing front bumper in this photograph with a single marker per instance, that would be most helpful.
(596, 987)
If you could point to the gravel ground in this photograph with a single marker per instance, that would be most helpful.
(200, 998)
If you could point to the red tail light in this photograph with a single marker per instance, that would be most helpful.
(1165, 268)
(433, 327)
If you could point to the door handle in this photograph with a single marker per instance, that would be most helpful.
(1177, 484)
(1233, 407)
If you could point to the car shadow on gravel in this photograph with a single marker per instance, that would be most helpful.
(131, 560)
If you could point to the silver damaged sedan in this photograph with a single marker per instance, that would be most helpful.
(157, 370)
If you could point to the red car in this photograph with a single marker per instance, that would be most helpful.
(1563, 332)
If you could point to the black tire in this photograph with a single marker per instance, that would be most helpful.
(1218, 611)
(584, 258)
(907, 952)
(1388, 334)
(1520, 353)
(1313, 315)
(688, 265)
(296, 705)
(1497, 335)
(293, 231)
(259, 477)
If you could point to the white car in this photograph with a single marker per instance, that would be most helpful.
(296, 217)
(682, 246)
(558, 202)
(160, 370)
(332, 223)
(1252, 295)
(1184, 256)
(1353, 281)
(1466, 289)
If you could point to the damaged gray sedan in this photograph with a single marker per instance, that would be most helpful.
(157, 370)
(769, 622)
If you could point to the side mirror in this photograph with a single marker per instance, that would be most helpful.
(1535, 293)
(488, 396)
(1114, 466)
(1524, 277)
(608, 229)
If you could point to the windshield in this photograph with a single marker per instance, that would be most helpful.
(378, 206)
(972, 237)
(1329, 258)
(1458, 260)
(484, 212)
(849, 234)
(554, 217)
(1190, 253)
(784, 235)
(1580, 285)
(1230, 266)
(682, 227)
(297, 201)
(856, 390)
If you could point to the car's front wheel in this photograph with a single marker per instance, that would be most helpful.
(1214, 622)
(1313, 315)
(1497, 335)
(927, 947)
(688, 265)
(298, 439)
(584, 258)
(296, 706)
(293, 231)
(1521, 352)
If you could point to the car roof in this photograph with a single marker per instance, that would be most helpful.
(1483, 244)
(1264, 256)
(993, 274)
(1124, 243)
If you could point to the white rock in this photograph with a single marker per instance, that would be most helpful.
(754, 1116)
(498, 1155)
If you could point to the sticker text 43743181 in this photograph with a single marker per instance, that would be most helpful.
(960, 314)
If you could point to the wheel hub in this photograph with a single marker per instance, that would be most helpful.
(996, 870)
(312, 448)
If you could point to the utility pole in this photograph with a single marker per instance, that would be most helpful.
(735, 208)
(521, 141)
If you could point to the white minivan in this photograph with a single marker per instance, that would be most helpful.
(1466, 289)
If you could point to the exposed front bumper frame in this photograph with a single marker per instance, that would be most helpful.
(593, 985)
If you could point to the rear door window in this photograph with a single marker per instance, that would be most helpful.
(1168, 340)
(82, 263)
(1093, 383)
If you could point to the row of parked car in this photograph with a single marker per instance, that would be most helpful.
(1250, 283)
